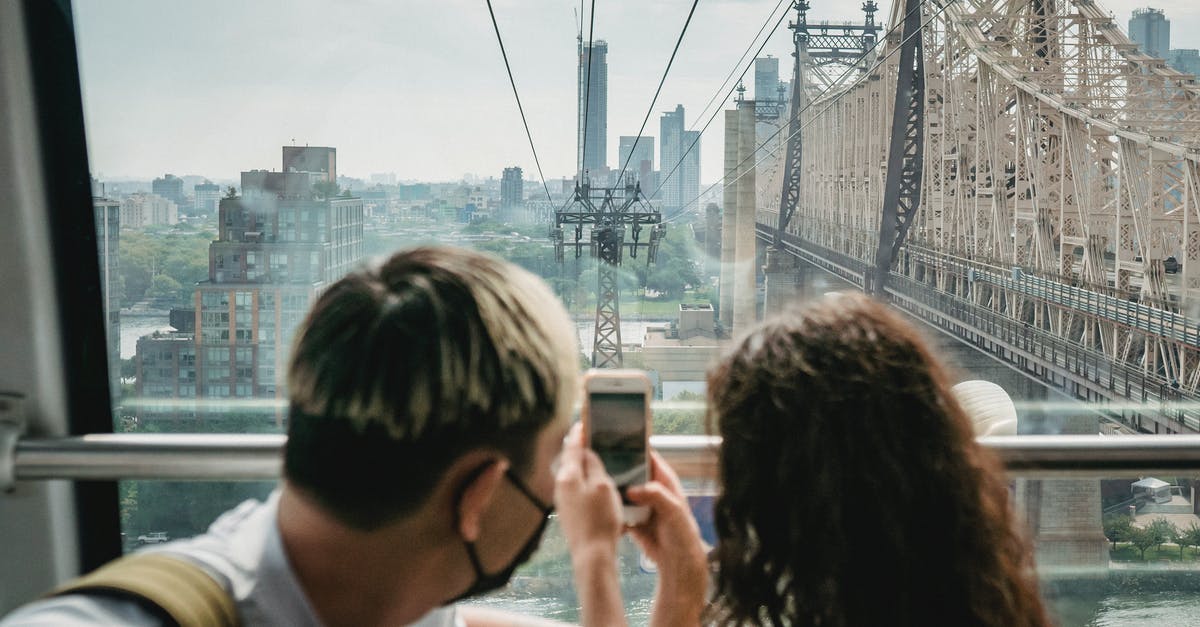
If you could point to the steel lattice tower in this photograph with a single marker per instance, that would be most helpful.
(612, 212)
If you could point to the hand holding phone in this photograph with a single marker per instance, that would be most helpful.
(616, 419)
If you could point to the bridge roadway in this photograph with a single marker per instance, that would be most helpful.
(1139, 399)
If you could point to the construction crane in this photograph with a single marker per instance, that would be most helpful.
(620, 219)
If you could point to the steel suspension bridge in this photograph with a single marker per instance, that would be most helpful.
(1014, 172)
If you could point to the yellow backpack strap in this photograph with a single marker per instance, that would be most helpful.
(181, 589)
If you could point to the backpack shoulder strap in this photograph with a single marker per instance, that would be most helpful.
(181, 589)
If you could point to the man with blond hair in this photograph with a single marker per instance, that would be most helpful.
(429, 394)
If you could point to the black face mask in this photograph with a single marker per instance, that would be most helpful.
(485, 582)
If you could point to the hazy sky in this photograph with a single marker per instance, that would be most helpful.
(413, 87)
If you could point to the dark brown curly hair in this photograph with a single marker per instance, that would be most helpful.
(853, 491)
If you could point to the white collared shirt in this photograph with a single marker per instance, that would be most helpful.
(243, 551)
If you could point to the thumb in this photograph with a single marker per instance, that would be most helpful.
(654, 495)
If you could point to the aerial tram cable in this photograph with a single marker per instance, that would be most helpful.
(794, 116)
(745, 52)
(941, 9)
(654, 100)
(587, 89)
(512, 82)
(729, 93)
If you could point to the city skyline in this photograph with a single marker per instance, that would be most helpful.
(380, 82)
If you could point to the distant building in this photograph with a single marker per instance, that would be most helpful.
(383, 178)
(316, 159)
(683, 186)
(593, 102)
(140, 210)
(766, 78)
(166, 368)
(376, 201)
(1151, 31)
(108, 239)
(642, 162)
(512, 189)
(681, 352)
(278, 245)
(1186, 60)
(171, 188)
(206, 195)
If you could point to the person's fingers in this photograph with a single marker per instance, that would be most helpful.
(644, 536)
(664, 474)
(658, 497)
(593, 467)
(570, 460)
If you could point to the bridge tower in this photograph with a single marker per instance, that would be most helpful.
(825, 57)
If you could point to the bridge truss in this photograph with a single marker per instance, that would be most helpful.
(1061, 183)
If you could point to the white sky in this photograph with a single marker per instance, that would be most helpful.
(413, 87)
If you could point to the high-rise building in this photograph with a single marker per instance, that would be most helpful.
(108, 238)
(593, 104)
(278, 245)
(512, 189)
(684, 185)
(766, 78)
(206, 195)
(1151, 31)
(1186, 60)
(641, 164)
(140, 210)
(171, 188)
(316, 159)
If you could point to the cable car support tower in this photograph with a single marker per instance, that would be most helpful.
(620, 220)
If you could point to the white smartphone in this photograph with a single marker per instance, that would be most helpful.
(616, 425)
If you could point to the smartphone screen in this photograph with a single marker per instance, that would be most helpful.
(618, 436)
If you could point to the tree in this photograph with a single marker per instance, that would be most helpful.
(1163, 530)
(231, 192)
(163, 288)
(1143, 538)
(1117, 528)
(1189, 537)
(681, 421)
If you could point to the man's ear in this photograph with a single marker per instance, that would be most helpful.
(477, 496)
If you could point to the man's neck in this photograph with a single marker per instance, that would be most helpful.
(392, 576)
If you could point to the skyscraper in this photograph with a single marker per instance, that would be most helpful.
(593, 105)
(311, 159)
(169, 187)
(512, 189)
(641, 165)
(278, 245)
(1186, 60)
(766, 78)
(206, 197)
(108, 238)
(684, 185)
(1151, 31)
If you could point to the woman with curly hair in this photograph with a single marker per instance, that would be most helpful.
(852, 491)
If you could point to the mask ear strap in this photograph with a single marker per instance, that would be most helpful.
(462, 489)
(474, 557)
(524, 489)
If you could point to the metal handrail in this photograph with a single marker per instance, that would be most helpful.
(257, 456)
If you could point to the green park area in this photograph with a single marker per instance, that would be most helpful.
(1157, 541)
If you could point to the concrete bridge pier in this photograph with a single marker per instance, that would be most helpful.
(1063, 516)
(745, 292)
(783, 280)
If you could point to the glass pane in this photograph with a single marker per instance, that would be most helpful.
(218, 223)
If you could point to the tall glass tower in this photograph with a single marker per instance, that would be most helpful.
(1151, 31)
(592, 153)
